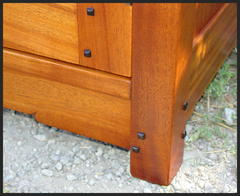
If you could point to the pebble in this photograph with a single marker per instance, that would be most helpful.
(70, 188)
(71, 177)
(75, 149)
(189, 128)
(57, 152)
(213, 156)
(120, 171)
(228, 114)
(91, 182)
(76, 161)
(47, 172)
(65, 160)
(83, 157)
(99, 152)
(59, 166)
(201, 183)
(147, 190)
(51, 141)
(41, 138)
(44, 165)
(109, 176)
(10, 177)
(55, 157)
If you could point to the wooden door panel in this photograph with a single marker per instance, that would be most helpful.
(46, 29)
(108, 35)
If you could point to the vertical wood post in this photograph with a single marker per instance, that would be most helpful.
(162, 44)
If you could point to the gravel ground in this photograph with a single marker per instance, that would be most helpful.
(41, 159)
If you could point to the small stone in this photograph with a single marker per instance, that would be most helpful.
(228, 114)
(120, 171)
(52, 141)
(201, 183)
(70, 188)
(91, 182)
(83, 157)
(76, 161)
(57, 152)
(44, 165)
(10, 177)
(58, 166)
(54, 157)
(212, 156)
(69, 164)
(99, 152)
(105, 156)
(41, 138)
(71, 177)
(189, 128)
(146, 190)
(64, 159)
(75, 149)
(109, 176)
(47, 172)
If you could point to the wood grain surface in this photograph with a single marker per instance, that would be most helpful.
(204, 13)
(92, 114)
(47, 29)
(210, 49)
(67, 73)
(155, 61)
(171, 67)
(147, 61)
(108, 35)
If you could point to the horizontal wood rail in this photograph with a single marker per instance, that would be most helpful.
(67, 73)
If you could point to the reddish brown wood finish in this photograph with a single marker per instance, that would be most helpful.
(46, 29)
(153, 85)
(163, 71)
(82, 111)
(210, 48)
(67, 73)
(204, 13)
(108, 35)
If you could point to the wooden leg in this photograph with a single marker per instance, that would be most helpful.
(168, 77)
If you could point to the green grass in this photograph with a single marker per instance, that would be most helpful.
(217, 87)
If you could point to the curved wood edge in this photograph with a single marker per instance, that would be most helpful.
(68, 73)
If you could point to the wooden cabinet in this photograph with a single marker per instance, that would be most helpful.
(126, 74)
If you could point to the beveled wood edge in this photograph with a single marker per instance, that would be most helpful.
(68, 73)
(221, 27)
(200, 36)
(232, 28)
